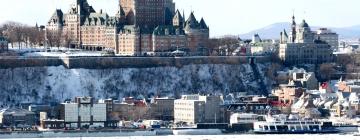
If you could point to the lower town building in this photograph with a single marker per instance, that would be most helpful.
(83, 113)
(3, 44)
(194, 109)
(129, 109)
(347, 105)
(288, 93)
(305, 107)
(17, 117)
(304, 79)
(162, 109)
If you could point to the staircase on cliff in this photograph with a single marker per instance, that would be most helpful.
(259, 77)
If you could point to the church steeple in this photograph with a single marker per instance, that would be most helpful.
(293, 30)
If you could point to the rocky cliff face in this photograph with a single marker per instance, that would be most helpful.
(55, 84)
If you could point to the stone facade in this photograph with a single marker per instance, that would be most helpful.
(302, 46)
(162, 109)
(130, 109)
(289, 93)
(140, 27)
(148, 13)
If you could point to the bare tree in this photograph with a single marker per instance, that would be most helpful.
(67, 39)
(31, 34)
(326, 71)
(40, 38)
(21, 33)
(12, 32)
(53, 38)
(58, 38)
(214, 43)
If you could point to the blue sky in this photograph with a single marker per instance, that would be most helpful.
(224, 17)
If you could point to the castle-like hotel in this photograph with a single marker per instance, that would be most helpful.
(140, 27)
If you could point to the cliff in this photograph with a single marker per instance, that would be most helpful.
(57, 83)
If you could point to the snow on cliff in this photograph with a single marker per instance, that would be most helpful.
(55, 84)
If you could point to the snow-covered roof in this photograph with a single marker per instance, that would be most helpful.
(16, 111)
(353, 97)
(329, 104)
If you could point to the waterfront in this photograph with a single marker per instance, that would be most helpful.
(221, 137)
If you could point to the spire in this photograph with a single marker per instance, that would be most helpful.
(120, 11)
(177, 13)
(191, 18)
(293, 30)
(57, 17)
(293, 20)
(203, 24)
(183, 15)
(285, 34)
(191, 22)
(178, 20)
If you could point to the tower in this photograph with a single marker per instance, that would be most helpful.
(198, 33)
(293, 30)
(148, 14)
(120, 14)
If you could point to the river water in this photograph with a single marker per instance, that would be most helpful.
(220, 137)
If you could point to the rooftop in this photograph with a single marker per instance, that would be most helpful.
(16, 111)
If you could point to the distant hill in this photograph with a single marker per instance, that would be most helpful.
(273, 31)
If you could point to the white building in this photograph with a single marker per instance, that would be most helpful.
(83, 112)
(194, 109)
(305, 79)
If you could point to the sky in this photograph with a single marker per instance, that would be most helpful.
(224, 17)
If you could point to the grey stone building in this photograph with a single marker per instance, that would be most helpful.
(302, 46)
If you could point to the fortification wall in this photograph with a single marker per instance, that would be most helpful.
(123, 62)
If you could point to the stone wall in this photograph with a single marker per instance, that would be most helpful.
(16, 62)
(123, 62)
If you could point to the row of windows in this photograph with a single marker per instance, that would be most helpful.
(184, 109)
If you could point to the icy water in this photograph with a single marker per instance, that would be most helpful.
(220, 137)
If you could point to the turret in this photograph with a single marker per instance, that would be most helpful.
(178, 20)
(203, 24)
(120, 14)
(198, 33)
(283, 37)
(191, 22)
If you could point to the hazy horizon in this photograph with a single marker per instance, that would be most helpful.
(231, 17)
